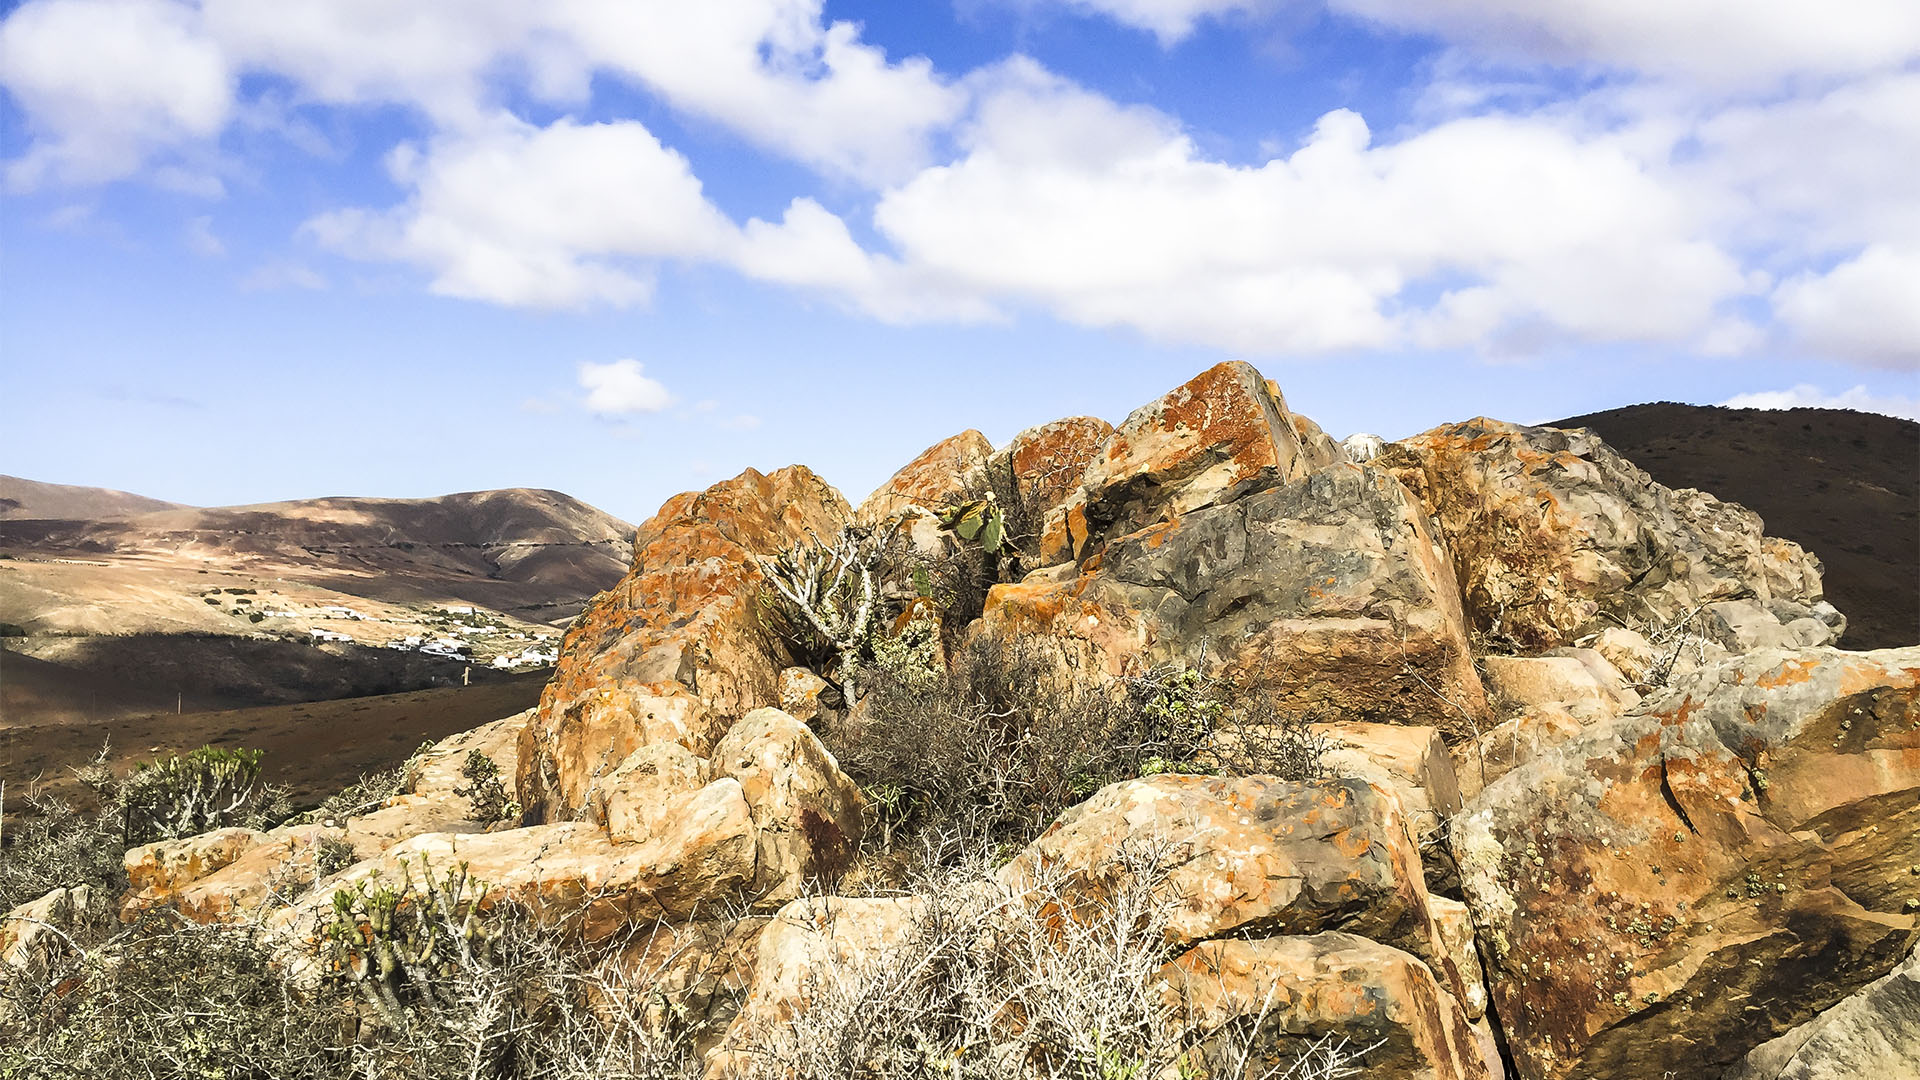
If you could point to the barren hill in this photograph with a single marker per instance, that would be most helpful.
(21, 498)
(302, 600)
(1843, 484)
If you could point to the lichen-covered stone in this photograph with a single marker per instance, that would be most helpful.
(1218, 436)
(1550, 528)
(1676, 885)
(807, 814)
(1336, 986)
(1328, 590)
(686, 613)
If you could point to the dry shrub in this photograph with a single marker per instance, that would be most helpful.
(993, 748)
(993, 984)
(172, 1000)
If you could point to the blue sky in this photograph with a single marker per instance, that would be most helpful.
(625, 248)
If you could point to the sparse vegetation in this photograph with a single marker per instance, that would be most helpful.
(998, 745)
(485, 790)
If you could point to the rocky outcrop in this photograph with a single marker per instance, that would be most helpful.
(1301, 990)
(29, 930)
(1251, 856)
(1409, 761)
(949, 471)
(1874, 1033)
(1551, 529)
(1036, 472)
(1221, 435)
(1328, 589)
(685, 614)
(806, 813)
(157, 872)
(1674, 886)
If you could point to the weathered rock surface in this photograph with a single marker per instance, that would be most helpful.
(646, 793)
(1252, 856)
(1221, 435)
(1410, 761)
(806, 812)
(800, 691)
(1874, 1033)
(1302, 989)
(1327, 589)
(953, 469)
(157, 872)
(685, 613)
(578, 747)
(1679, 884)
(572, 873)
(28, 929)
(1036, 472)
(1550, 528)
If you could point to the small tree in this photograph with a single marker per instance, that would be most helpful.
(832, 590)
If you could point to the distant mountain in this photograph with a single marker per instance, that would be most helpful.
(20, 498)
(295, 601)
(1843, 484)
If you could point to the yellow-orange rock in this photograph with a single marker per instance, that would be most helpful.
(650, 789)
(1678, 884)
(1334, 986)
(686, 613)
(1220, 435)
(807, 814)
(1410, 761)
(953, 469)
(1328, 590)
(1037, 471)
(157, 872)
(1256, 856)
(1550, 528)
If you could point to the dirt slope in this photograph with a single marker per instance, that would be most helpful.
(1843, 484)
(22, 498)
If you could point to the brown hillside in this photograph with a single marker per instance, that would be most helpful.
(1842, 484)
(22, 498)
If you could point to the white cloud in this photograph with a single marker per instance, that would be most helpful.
(1110, 216)
(105, 84)
(201, 240)
(561, 216)
(619, 387)
(1168, 20)
(1725, 42)
(1866, 310)
(1805, 396)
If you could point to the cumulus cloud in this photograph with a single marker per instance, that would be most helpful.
(560, 216)
(1724, 42)
(620, 387)
(1866, 310)
(1805, 396)
(106, 84)
(1168, 20)
(1110, 216)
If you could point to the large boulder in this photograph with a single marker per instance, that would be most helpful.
(158, 872)
(1674, 886)
(1250, 856)
(1299, 991)
(1035, 473)
(1220, 435)
(32, 929)
(686, 613)
(572, 873)
(807, 814)
(953, 469)
(1551, 531)
(1328, 590)
(1874, 1033)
